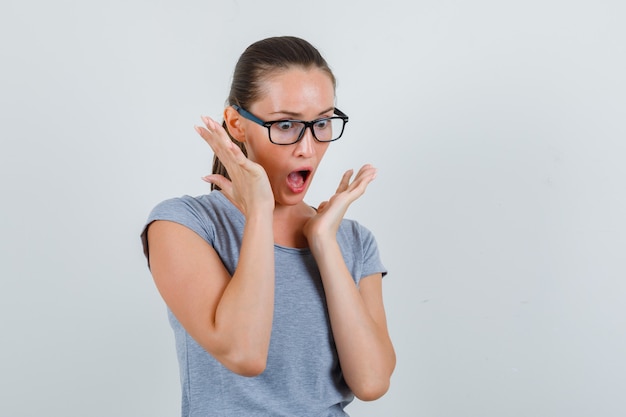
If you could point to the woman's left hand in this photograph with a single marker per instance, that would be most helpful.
(325, 223)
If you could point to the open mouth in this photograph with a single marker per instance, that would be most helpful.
(296, 180)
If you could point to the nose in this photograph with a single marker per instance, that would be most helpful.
(305, 146)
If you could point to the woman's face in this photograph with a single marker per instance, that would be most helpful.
(296, 93)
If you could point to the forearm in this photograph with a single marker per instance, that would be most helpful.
(365, 351)
(243, 318)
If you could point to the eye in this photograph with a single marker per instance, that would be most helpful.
(284, 125)
(322, 124)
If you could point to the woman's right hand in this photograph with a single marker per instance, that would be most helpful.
(248, 188)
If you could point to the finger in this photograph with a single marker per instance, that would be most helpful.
(216, 179)
(366, 169)
(209, 131)
(345, 181)
(219, 141)
(365, 176)
(222, 182)
(212, 125)
(210, 137)
(213, 133)
(367, 172)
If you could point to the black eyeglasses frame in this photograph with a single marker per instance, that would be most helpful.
(268, 124)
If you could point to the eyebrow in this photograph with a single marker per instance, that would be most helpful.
(294, 114)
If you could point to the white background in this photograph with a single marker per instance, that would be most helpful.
(499, 130)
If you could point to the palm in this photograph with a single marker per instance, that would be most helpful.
(248, 186)
(330, 213)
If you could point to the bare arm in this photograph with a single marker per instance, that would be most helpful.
(357, 315)
(230, 317)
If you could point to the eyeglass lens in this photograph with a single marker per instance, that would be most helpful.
(287, 131)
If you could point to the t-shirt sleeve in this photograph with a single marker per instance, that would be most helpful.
(372, 263)
(185, 211)
(360, 250)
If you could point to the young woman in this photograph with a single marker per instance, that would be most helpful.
(276, 306)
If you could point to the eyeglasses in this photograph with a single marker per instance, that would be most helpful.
(288, 132)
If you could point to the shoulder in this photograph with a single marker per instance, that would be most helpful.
(359, 248)
(194, 209)
(202, 214)
(356, 240)
(185, 205)
(351, 231)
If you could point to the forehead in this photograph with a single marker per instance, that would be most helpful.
(296, 89)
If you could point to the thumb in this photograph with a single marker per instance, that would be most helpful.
(322, 205)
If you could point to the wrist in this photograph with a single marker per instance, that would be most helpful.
(261, 217)
(319, 244)
(262, 210)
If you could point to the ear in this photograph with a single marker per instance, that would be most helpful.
(234, 124)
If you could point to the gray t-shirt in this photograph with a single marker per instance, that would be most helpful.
(302, 376)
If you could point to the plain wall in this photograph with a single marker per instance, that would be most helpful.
(499, 131)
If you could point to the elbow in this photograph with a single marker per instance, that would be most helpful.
(249, 368)
(245, 363)
(372, 385)
(242, 356)
(371, 390)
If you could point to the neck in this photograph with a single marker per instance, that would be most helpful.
(289, 222)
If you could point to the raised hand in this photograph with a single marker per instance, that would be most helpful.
(325, 223)
(248, 188)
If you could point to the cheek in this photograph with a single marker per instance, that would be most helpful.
(321, 150)
(256, 145)
(267, 155)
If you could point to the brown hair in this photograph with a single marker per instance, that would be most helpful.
(257, 63)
